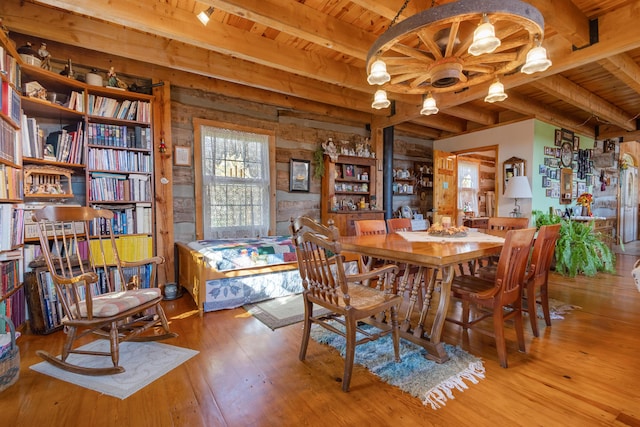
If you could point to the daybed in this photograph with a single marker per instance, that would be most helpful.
(226, 273)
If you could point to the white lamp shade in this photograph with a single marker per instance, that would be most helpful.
(429, 106)
(380, 100)
(378, 74)
(496, 93)
(537, 61)
(518, 188)
(484, 39)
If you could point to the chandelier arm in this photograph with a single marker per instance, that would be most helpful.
(453, 37)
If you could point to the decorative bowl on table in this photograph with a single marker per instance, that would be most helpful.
(438, 230)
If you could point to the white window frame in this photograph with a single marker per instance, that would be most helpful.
(199, 181)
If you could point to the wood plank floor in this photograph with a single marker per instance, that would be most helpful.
(583, 370)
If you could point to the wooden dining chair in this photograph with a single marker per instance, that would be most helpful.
(501, 223)
(399, 224)
(100, 294)
(499, 299)
(349, 301)
(365, 227)
(537, 280)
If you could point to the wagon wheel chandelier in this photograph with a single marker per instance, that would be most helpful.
(452, 47)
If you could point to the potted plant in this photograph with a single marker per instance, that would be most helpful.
(579, 249)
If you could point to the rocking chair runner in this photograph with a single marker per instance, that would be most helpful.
(99, 293)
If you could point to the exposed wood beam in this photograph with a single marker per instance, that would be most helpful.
(178, 25)
(300, 20)
(565, 17)
(473, 114)
(609, 132)
(565, 89)
(526, 106)
(624, 68)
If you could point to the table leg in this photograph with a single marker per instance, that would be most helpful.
(417, 282)
(426, 304)
(443, 306)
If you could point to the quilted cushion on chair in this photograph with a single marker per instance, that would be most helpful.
(110, 304)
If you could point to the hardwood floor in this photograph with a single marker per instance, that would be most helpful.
(583, 370)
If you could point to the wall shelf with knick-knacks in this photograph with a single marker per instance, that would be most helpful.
(47, 182)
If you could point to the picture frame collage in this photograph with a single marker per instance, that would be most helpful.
(579, 160)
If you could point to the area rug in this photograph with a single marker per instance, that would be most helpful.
(144, 362)
(557, 309)
(433, 383)
(282, 311)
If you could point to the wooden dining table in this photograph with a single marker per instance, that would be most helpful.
(436, 259)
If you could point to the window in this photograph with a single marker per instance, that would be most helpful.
(235, 182)
(468, 185)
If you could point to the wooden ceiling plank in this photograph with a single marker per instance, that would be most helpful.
(299, 20)
(565, 89)
(225, 39)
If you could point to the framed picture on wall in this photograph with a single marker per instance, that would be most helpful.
(299, 175)
(558, 138)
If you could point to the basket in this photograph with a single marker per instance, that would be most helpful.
(10, 361)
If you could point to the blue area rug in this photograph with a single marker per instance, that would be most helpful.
(431, 382)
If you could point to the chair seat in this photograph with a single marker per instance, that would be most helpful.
(364, 298)
(471, 285)
(114, 303)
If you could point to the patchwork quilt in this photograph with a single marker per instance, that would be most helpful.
(233, 254)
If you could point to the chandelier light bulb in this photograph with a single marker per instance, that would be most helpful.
(378, 74)
(429, 106)
(484, 38)
(537, 60)
(496, 92)
(380, 100)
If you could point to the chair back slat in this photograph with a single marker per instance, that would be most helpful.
(365, 227)
(319, 261)
(543, 252)
(512, 264)
(507, 223)
(399, 224)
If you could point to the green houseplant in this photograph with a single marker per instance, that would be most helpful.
(579, 249)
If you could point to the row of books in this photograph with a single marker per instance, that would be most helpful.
(14, 308)
(119, 160)
(10, 273)
(10, 102)
(65, 145)
(119, 136)
(11, 228)
(129, 219)
(11, 186)
(9, 67)
(76, 101)
(9, 143)
(105, 186)
(139, 111)
(130, 248)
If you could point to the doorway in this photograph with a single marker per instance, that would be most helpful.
(628, 212)
(486, 158)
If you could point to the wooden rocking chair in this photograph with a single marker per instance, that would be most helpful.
(99, 293)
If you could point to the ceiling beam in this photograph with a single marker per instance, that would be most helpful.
(527, 106)
(179, 25)
(565, 17)
(624, 68)
(565, 89)
(299, 20)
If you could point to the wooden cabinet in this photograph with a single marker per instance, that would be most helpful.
(349, 192)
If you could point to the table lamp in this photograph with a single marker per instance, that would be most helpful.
(518, 188)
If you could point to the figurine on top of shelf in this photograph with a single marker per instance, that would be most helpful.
(68, 70)
(45, 56)
(330, 149)
(114, 81)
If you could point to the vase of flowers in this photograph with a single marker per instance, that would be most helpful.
(585, 200)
